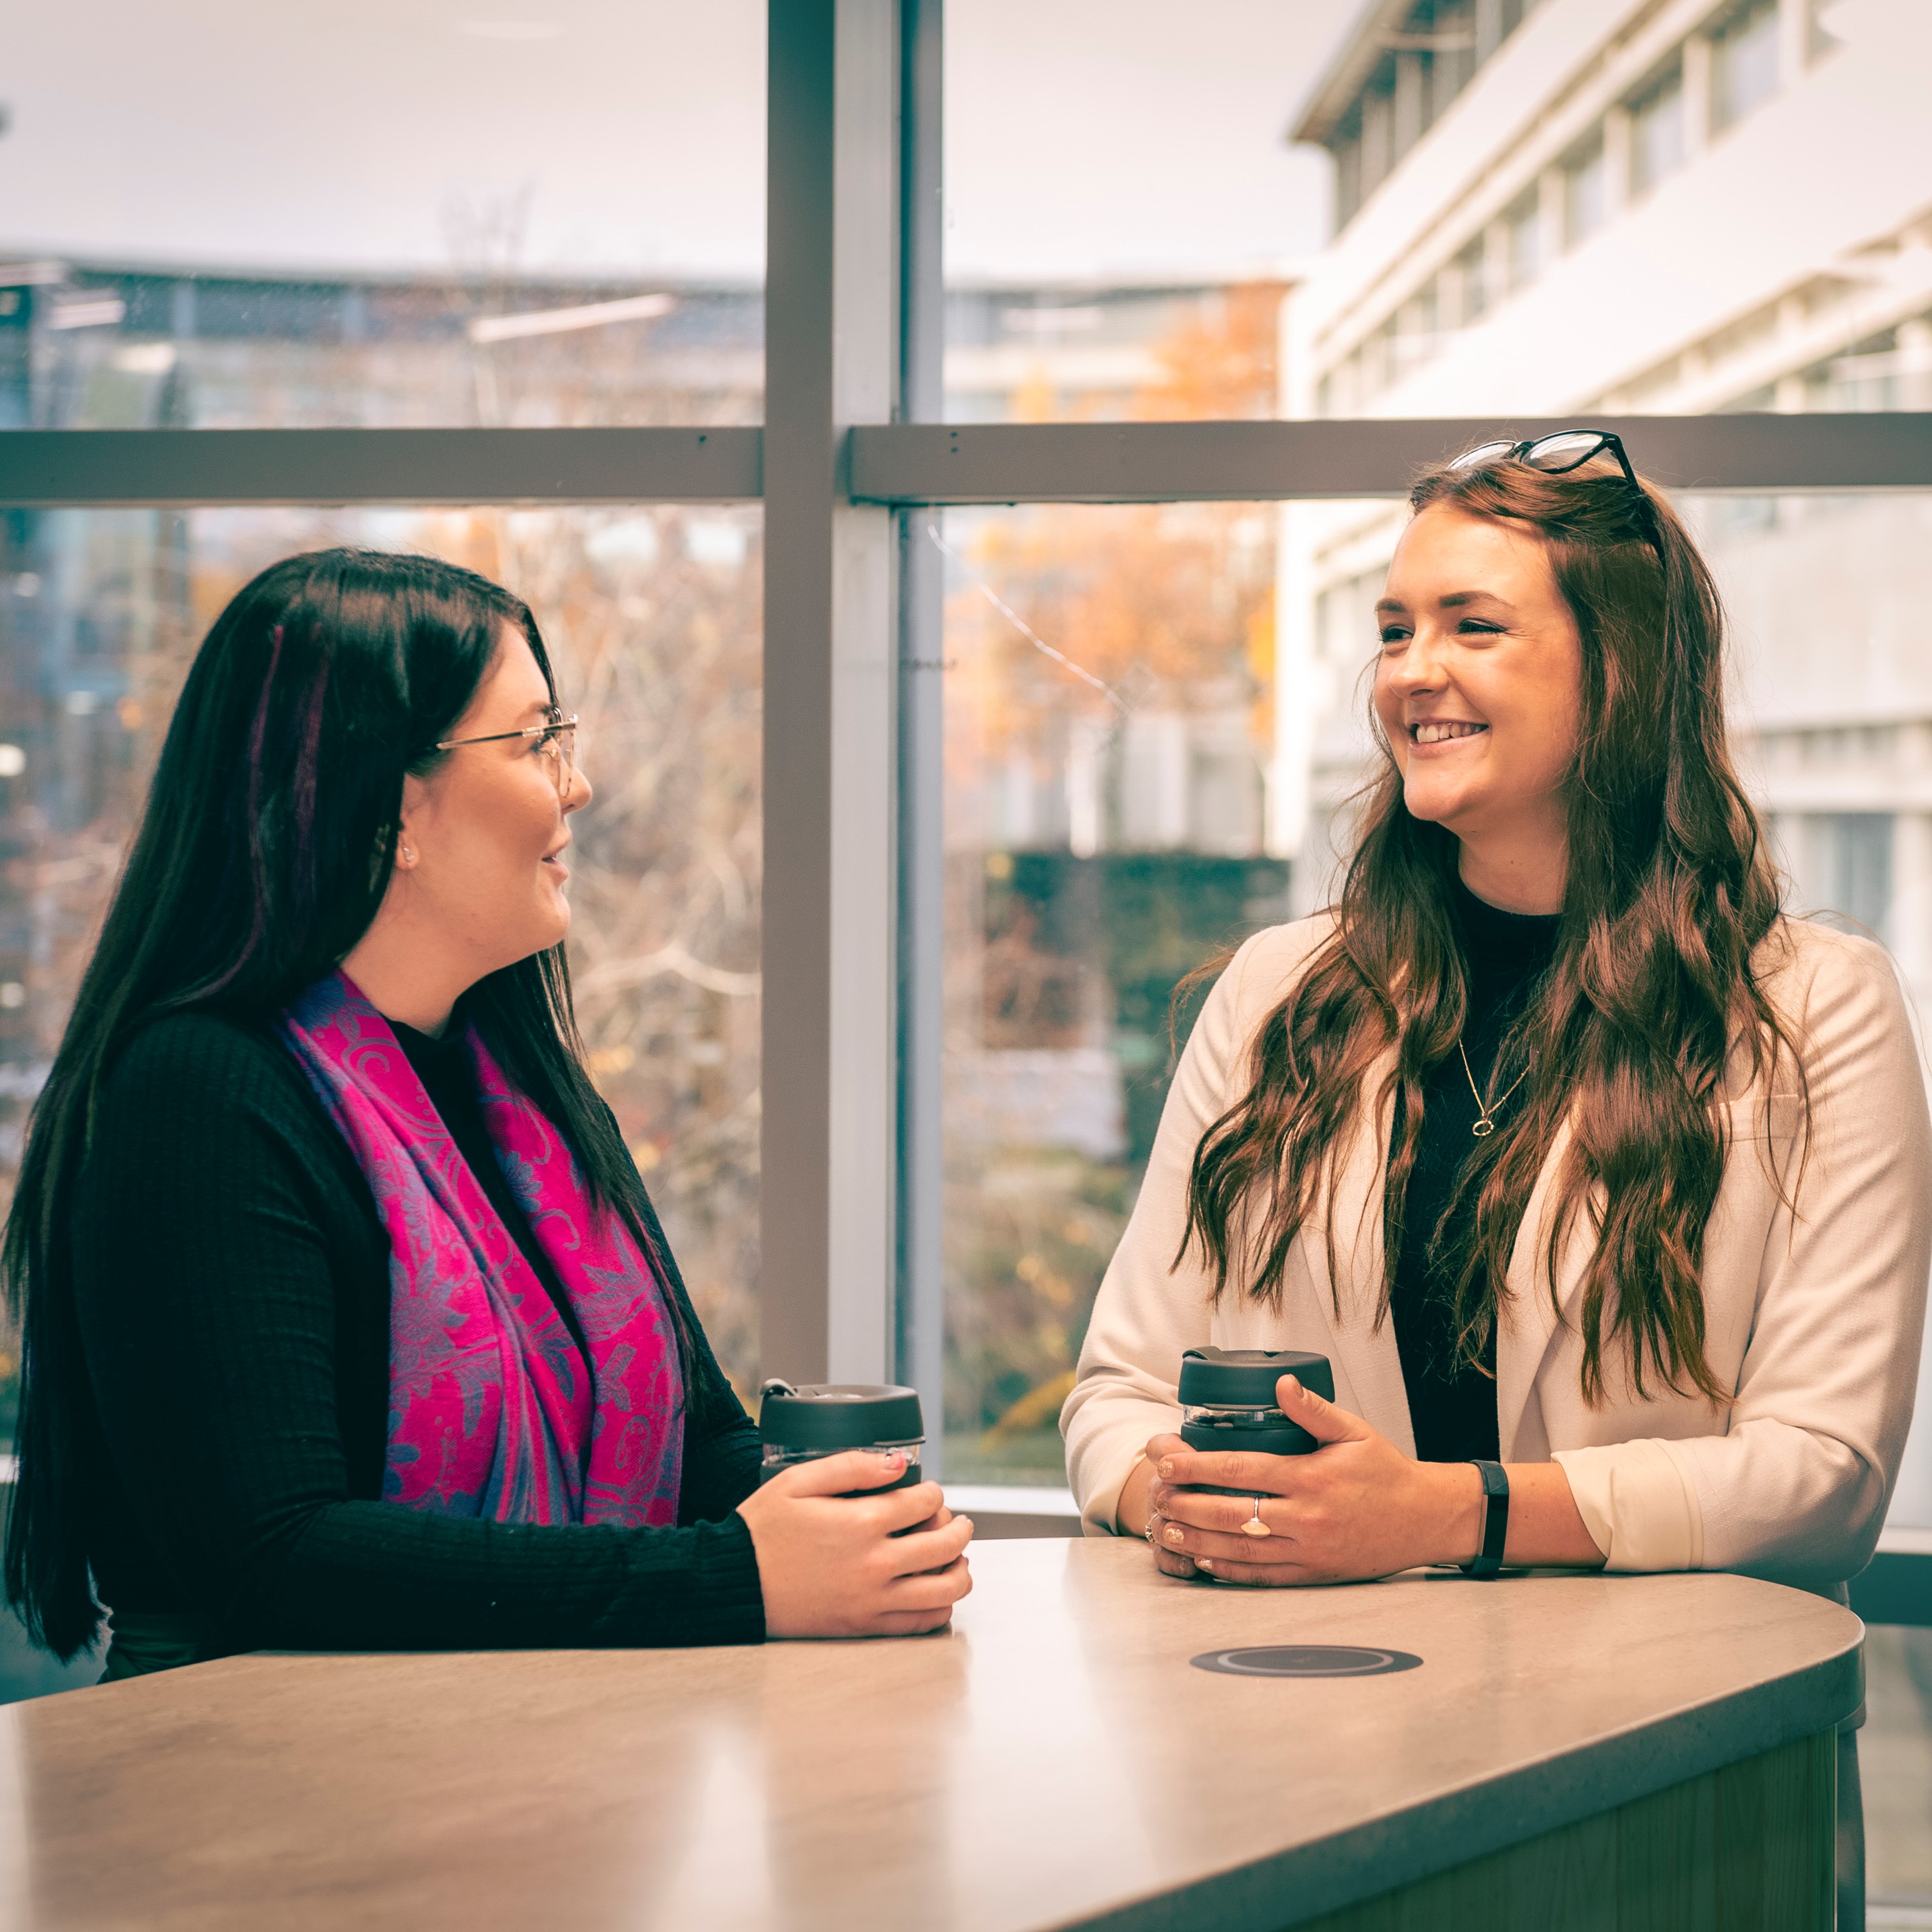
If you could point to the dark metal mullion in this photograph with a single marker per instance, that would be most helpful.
(833, 313)
(920, 1287)
(170, 469)
(1201, 462)
(796, 914)
(915, 462)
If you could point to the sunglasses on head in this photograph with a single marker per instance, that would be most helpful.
(1557, 454)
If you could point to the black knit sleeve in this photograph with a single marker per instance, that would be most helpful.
(214, 1239)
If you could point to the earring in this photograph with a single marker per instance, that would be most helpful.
(408, 857)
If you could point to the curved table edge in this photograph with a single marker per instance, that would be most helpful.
(1397, 1849)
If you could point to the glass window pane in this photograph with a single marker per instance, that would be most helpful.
(1121, 210)
(653, 617)
(1584, 184)
(305, 216)
(1895, 1775)
(1106, 833)
(1253, 211)
(1695, 300)
(1471, 270)
(1522, 229)
(1657, 133)
(1743, 62)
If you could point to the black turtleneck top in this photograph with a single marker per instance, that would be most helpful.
(1452, 1401)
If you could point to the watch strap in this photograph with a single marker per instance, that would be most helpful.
(1495, 1520)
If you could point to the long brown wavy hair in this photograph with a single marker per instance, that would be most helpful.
(1651, 995)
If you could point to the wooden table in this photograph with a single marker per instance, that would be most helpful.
(1573, 1752)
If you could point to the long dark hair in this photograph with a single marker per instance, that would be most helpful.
(1651, 993)
(264, 851)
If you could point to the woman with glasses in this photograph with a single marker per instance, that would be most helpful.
(348, 1323)
(1606, 1187)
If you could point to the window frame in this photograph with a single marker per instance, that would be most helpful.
(851, 453)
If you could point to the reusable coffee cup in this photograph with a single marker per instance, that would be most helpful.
(1227, 1402)
(801, 1424)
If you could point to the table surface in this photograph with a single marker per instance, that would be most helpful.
(1054, 1762)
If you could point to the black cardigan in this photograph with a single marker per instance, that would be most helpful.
(231, 1280)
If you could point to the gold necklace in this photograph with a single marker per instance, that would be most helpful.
(1485, 1116)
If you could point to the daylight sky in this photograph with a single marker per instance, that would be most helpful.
(1085, 137)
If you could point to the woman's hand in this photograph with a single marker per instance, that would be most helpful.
(830, 1564)
(1356, 1507)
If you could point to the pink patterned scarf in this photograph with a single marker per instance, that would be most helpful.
(490, 1413)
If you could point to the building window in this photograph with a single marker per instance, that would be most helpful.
(1348, 178)
(1524, 223)
(1379, 353)
(1854, 848)
(1416, 323)
(1348, 386)
(1866, 377)
(1378, 139)
(1453, 62)
(1657, 133)
(1472, 277)
(1435, 52)
(1584, 200)
(1744, 63)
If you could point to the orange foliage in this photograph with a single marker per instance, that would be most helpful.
(1159, 601)
(1168, 604)
(1222, 364)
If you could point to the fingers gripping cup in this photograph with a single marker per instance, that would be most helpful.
(801, 1424)
(1227, 1402)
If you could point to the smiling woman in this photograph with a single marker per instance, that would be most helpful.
(1477, 692)
(1603, 1184)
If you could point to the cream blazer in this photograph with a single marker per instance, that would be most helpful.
(1813, 1319)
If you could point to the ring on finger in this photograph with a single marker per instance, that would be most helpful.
(1254, 1526)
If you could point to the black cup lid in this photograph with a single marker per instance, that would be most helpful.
(1245, 1378)
(838, 1415)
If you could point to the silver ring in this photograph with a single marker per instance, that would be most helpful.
(1254, 1526)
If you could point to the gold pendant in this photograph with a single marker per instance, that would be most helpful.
(1483, 1128)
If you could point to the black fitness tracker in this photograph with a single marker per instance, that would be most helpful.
(1496, 1521)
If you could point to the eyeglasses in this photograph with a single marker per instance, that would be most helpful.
(1556, 455)
(555, 744)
